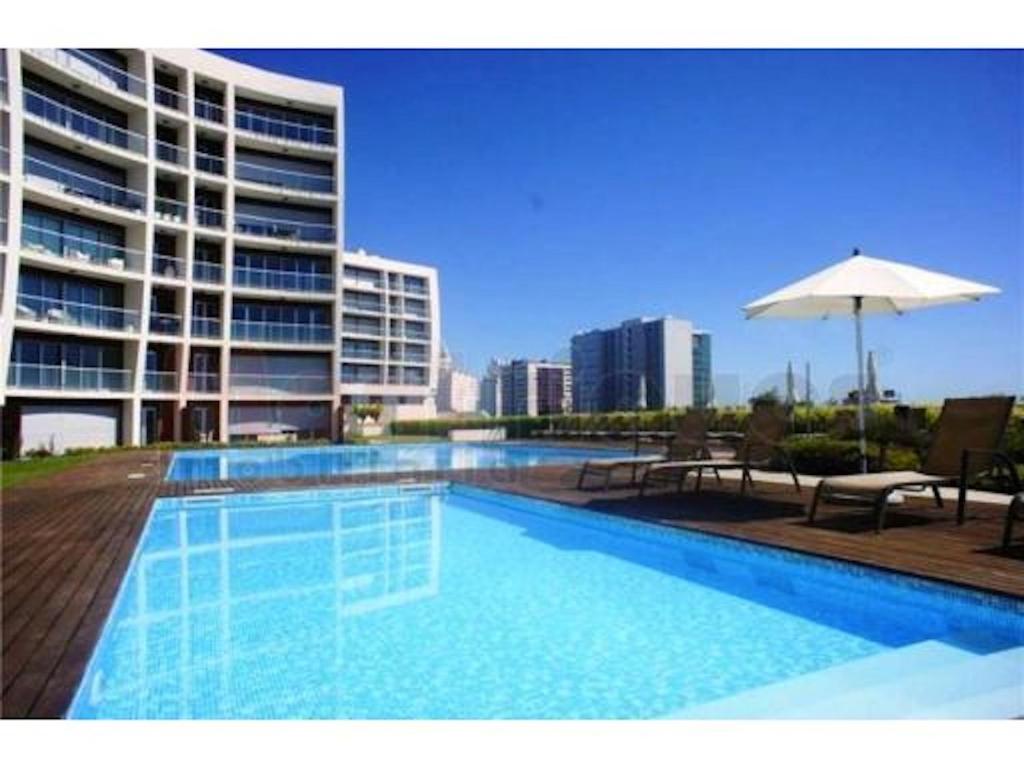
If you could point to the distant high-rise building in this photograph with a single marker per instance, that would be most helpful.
(535, 388)
(663, 359)
(458, 391)
(490, 388)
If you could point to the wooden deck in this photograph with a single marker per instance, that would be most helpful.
(67, 541)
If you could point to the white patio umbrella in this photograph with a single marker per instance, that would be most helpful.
(865, 285)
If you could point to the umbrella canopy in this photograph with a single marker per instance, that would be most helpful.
(883, 287)
(862, 284)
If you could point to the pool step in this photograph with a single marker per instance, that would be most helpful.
(925, 679)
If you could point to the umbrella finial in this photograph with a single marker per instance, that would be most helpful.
(856, 251)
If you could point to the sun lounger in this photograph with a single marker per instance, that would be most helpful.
(965, 444)
(762, 442)
(688, 442)
(1013, 513)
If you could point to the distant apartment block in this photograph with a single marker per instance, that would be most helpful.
(390, 335)
(458, 391)
(490, 388)
(652, 363)
(172, 262)
(528, 388)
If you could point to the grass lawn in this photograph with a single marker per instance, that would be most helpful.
(14, 472)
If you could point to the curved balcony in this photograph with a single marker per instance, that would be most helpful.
(45, 309)
(242, 384)
(170, 98)
(47, 176)
(82, 124)
(281, 333)
(266, 175)
(68, 378)
(208, 110)
(283, 280)
(50, 242)
(283, 229)
(286, 130)
(93, 70)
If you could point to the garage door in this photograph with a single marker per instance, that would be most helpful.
(59, 426)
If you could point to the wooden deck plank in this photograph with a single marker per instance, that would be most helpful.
(67, 542)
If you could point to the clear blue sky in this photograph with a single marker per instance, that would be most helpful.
(563, 190)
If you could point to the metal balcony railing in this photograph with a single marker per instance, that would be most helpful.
(283, 229)
(275, 177)
(81, 123)
(287, 130)
(46, 309)
(281, 333)
(283, 280)
(92, 69)
(51, 242)
(160, 381)
(280, 384)
(67, 377)
(43, 175)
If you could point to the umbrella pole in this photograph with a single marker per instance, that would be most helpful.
(857, 302)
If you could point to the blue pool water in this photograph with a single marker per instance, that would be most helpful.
(229, 464)
(445, 601)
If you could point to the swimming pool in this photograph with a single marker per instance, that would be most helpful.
(448, 601)
(327, 460)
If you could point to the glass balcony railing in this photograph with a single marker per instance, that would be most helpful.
(363, 306)
(283, 229)
(50, 242)
(170, 98)
(171, 153)
(160, 381)
(280, 384)
(3, 89)
(82, 124)
(361, 354)
(67, 377)
(44, 175)
(206, 327)
(209, 217)
(204, 382)
(275, 177)
(212, 164)
(168, 266)
(283, 280)
(169, 209)
(356, 280)
(208, 110)
(281, 333)
(207, 272)
(5, 160)
(364, 329)
(93, 69)
(287, 130)
(418, 335)
(46, 309)
(165, 323)
(351, 377)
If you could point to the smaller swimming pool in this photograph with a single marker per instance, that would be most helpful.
(241, 463)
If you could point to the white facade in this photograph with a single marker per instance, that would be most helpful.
(171, 241)
(390, 335)
(458, 391)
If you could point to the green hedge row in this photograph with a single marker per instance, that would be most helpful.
(838, 423)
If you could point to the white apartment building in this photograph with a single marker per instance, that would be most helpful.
(458, 391)
(171, 245)
(390, 335)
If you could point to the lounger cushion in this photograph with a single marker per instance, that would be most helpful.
(704, 464)
(879, 481)
(623, 462)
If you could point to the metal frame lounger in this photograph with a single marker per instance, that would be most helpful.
(762, 442)
(690, 440)
(966, 442)
(1014, 512)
